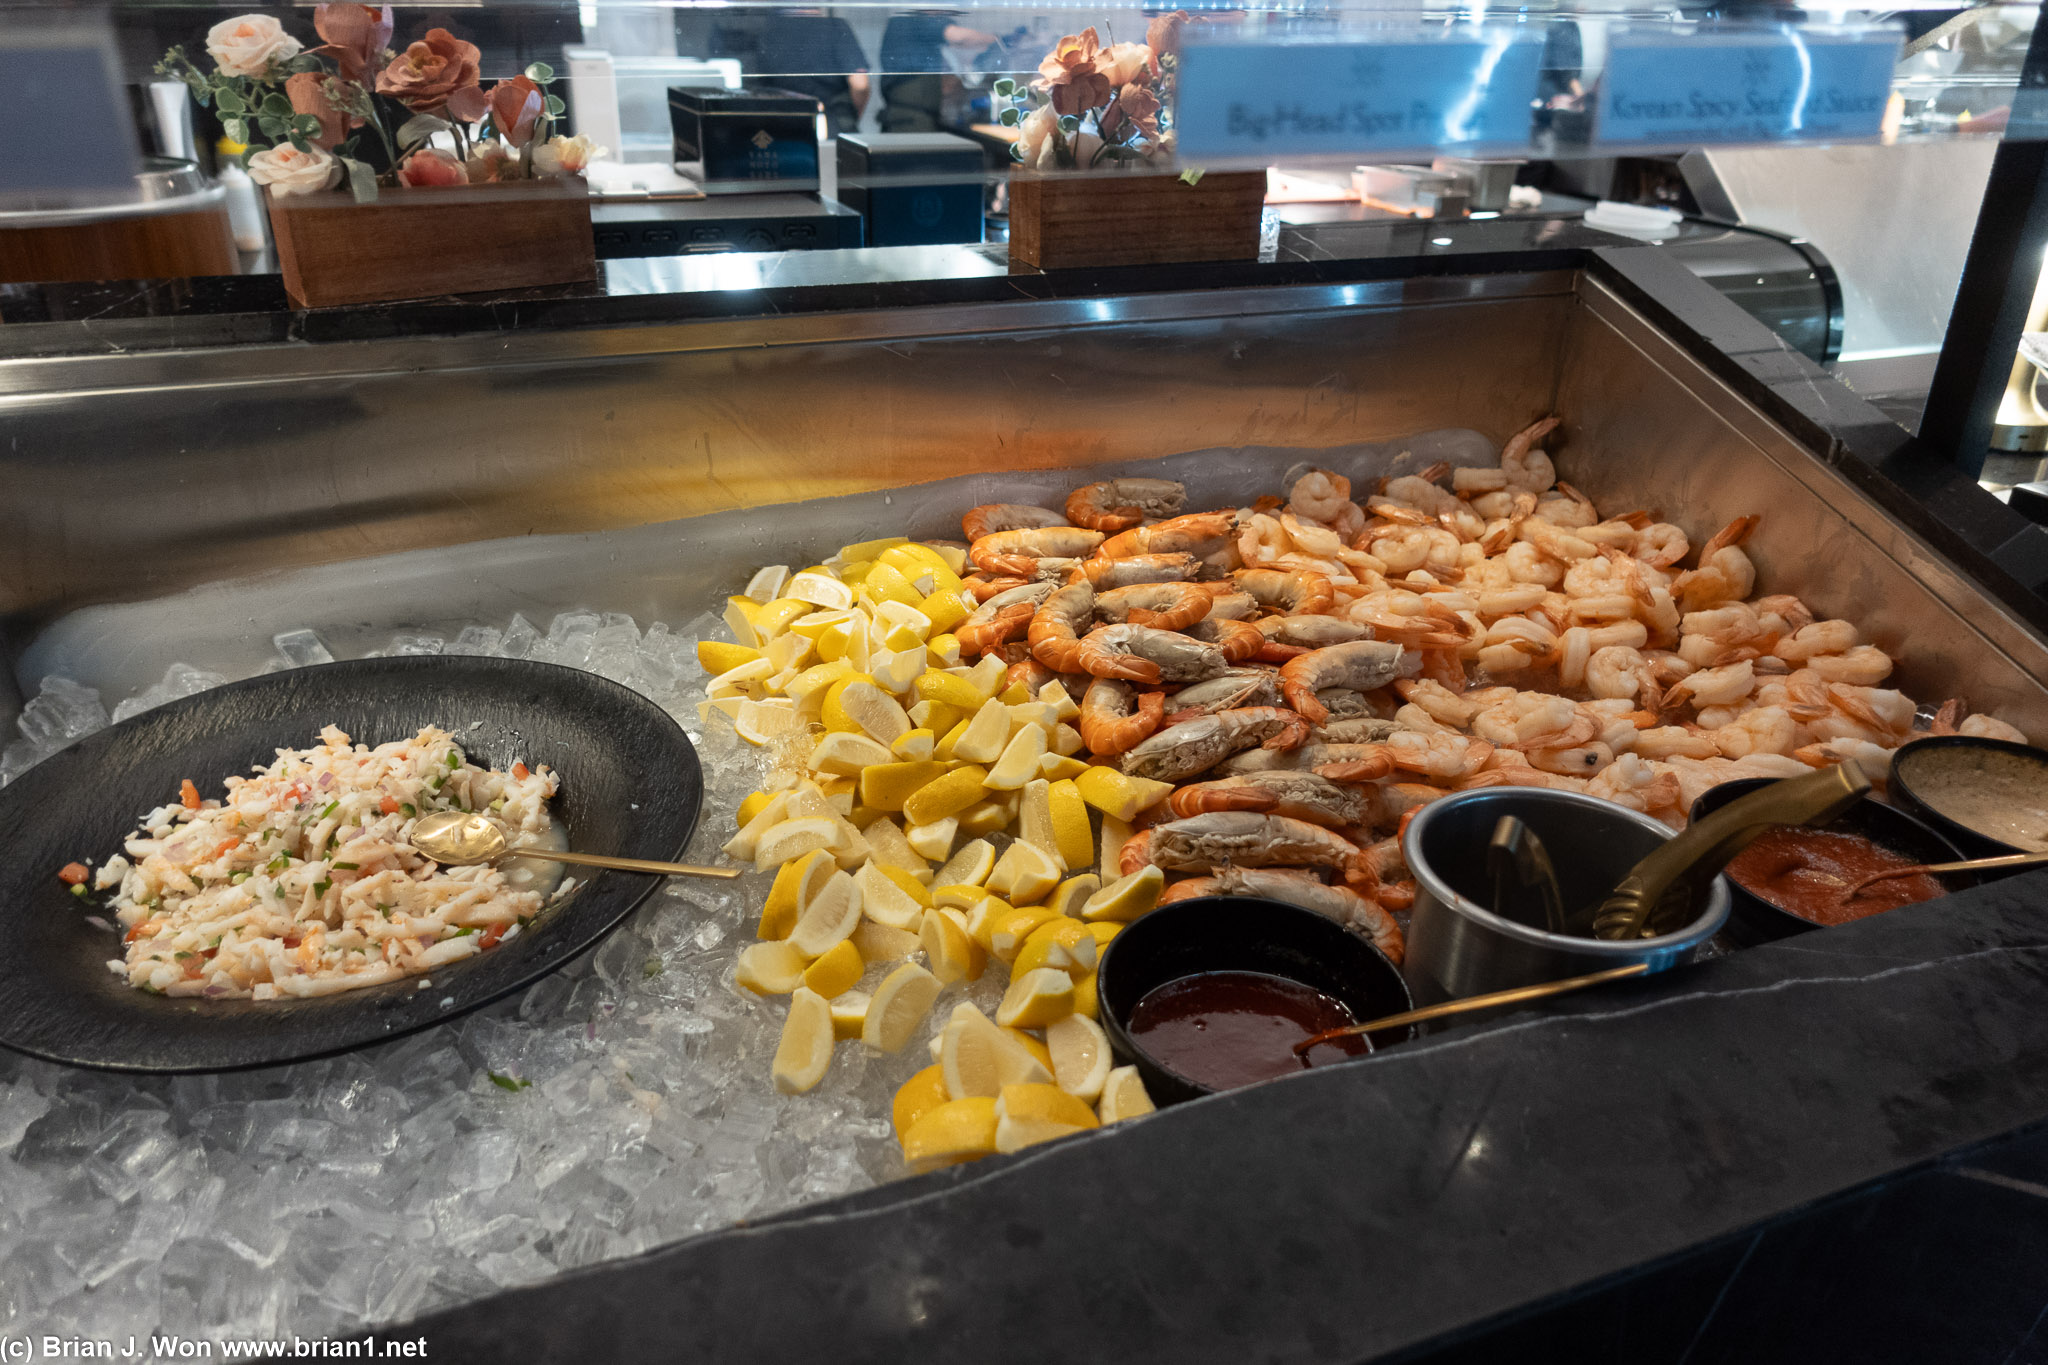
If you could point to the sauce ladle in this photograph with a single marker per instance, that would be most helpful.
(1966, 865)
(465, 838)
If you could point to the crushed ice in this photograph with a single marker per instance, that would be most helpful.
(621, 1103)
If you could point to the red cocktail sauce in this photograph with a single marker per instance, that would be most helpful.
(1226, 1029)
(1805, 871)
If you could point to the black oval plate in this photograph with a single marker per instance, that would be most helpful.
(630, 785)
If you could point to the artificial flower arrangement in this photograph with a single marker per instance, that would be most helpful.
(1093, 105)
(314, 107)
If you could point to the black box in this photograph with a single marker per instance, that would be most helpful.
(914, 189)
(745, 140)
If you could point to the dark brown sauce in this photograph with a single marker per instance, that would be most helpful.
(1226, 1029)
(1805, 871)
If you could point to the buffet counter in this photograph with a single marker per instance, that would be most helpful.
(205, 480)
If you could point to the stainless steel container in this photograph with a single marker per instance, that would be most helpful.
(1457, 947)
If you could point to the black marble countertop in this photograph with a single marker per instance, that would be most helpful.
(1361, 1210)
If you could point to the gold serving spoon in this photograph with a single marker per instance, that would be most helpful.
(1966, 865)
(1476, 1002)
(464, 838)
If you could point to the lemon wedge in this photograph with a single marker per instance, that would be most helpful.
(892, 850)
(1123, 1096)
(763, 722)
(897, 672)
(901, 1002)
(944, 796)
(1025, 874)
(875, 711)
(1030, 1114)
(887, 785)
(987, 817)
(830, 917)
(716, 656)
(953, 955)
(774, 617)
(978, 1058)
(934, 841)
(1037, 998)
(819, 589)
(1070, 895)
(1080, 1056)
(914, 745)
(915, 1098)
(1115, 834)
(1034, 818)
(1007, 931)
(969, 865)
(792, 839)
(868, 549)
(796, 882)
(846, 754)
(989, 676)
(837, 972)
(745, 844)
(1018, 763)
(1118, 794)
(767, 583)
(849, 1014)
(773, 968)
(886, 903)
(948, 689)
(945, 609)
(1058, 942)
(739, 619)
(804, 1053)
(986, 734)
(880, 943)
(956, 1131)
(1126, 898)
(1073, 834)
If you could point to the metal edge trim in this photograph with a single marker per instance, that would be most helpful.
(29, 378)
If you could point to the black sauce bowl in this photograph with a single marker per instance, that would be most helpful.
(1239, 934)
(1922, 755)
(1752, 920)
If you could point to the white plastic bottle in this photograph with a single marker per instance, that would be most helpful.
(245, 201)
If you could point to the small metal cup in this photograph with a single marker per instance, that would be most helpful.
(1458, 947)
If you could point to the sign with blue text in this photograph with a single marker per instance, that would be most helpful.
(1783, 85)
(1462, 92)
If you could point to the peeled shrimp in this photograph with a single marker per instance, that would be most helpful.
(1292, 593)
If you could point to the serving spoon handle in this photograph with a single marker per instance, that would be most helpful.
(624, 864)
(1966, 865)
(1475, 1002)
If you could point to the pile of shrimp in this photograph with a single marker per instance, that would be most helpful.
(1310, 671)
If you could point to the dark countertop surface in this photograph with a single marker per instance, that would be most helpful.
(1364, 1209)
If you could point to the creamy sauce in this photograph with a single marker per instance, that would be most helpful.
(538, 874)
(1997, 794)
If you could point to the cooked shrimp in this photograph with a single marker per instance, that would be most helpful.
(1001, 619)
(992, 517)
(1443, 757)
(1205, 843)
(1056, 626)
(1119, 504)
(1144, 655)
(1017, 552)
(1360, 665)
(1864, 666)
(1106, 573)
(1181, 751)
(1725, 573)
(1162, 606)
(1232, 688)
(1116, 718)
(1527, 468)
(1240, 641)
(1814, 638)
(1296, 795)
(1990, 727)
(1200, 534)
(1320, 495)
(1291, 593)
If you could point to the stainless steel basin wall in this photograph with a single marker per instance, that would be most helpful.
(219, 484)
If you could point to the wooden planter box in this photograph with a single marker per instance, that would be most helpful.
(423, 243)
(1093, 218)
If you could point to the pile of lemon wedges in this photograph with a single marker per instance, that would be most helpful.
(931, 815)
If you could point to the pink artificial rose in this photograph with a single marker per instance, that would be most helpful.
(1124, 63)
(515, 109)
(356, 36)
(1069, 74)
(490, 161)
(1037, 135)
(288, 171)
(1138, 104)
(251, 45)
(565, 155)
(1162, 35)
(428, 168)
(431, 72)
